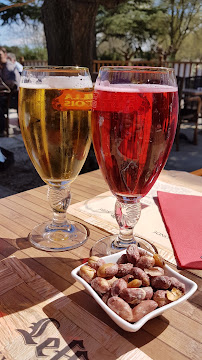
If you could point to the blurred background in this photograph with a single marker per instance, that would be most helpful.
(105, 32)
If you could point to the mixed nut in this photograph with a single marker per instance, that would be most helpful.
(135, 285)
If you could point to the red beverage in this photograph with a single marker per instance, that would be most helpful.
(133, 128)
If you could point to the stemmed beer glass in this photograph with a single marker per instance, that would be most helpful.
(134, 118)
(55, 113)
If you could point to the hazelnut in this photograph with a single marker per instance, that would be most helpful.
(107, 270)
(100, 285)
(87, 273)
(134, 283)
(154, 271)
(95, 262)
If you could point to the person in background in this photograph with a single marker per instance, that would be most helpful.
(12, 58)
(9, 82)
(22, 60)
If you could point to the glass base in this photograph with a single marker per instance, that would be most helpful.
(45, 237)
(111, 244)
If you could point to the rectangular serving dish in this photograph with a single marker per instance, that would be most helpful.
(190, 286)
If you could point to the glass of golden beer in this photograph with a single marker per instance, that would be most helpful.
(55, 114)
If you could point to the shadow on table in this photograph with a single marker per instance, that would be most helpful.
(196, 298)
(153, 328)
(101, 338)
(42, 265)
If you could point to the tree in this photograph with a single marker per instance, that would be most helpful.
(24, 11)
(69, 27)
(26, 14)
(190, 50)
(36, 53)
(176, 20)
(70, 30)
(162, 25)
(131, 24)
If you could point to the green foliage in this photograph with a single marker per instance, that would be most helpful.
(107, 55)
(191, 50)
(148, 28)
(129, 29)
(37, 53)
(24, 13)
(15, 50)
(29, 15)
(131, 23)
(176, 20)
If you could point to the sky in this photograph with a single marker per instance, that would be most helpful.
(19, 35)
(11, 35)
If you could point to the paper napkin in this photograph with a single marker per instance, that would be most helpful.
(182, 215)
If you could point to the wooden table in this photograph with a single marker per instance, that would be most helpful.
(175, 335)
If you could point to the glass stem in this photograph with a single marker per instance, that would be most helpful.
(127, 216)
(59, 198)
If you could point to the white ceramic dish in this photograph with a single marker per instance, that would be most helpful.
(190, 285)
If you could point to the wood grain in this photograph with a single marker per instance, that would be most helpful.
(176, 335)
(37, 320)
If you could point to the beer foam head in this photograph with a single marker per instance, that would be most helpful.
(57, 82)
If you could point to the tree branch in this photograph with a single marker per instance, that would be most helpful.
(15, 5)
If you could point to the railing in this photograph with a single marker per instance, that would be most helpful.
(35, 63)
(186, 69)
(182, 69)
(98, 63)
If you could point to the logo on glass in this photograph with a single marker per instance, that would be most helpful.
(73, 100)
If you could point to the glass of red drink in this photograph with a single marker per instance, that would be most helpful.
(134, 118)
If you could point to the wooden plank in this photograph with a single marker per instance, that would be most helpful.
(186, 324)
(40, 321)
(174, 335)
(25, 210)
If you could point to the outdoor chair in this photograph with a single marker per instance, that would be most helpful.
(193, 82)
(5, 108)
(11, 102)
(189, 105)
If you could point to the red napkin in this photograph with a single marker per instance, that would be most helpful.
(182, 215)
